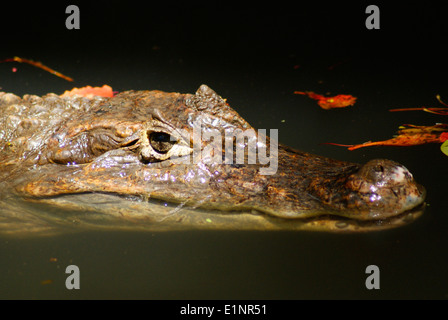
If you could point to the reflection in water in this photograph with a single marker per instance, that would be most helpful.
(96, 211)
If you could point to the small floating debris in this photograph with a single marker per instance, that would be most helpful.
(38, 65)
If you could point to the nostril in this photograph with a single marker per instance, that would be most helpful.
(376, 173)
(381, 172)
(395, 192)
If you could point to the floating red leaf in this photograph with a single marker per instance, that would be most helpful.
(339, 101)
(88, 92)
(408, 135)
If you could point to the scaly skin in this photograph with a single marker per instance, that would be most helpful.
(51, 146)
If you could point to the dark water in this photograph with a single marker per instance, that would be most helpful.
(248, 56)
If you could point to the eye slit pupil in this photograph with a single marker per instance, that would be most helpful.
(160, 137)
(161, 142)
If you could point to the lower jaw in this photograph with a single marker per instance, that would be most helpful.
(342, 224)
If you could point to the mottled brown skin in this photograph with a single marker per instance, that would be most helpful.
(50, 146)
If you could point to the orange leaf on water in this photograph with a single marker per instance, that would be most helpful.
(443, 137)
(408, 135)
(439, 111)
(89, 92)
(339, 101)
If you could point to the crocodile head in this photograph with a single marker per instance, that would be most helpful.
(197, 152)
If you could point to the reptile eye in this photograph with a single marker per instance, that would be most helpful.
(161, 142)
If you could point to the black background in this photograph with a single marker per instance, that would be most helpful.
(251, 36)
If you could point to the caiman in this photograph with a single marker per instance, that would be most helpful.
(129, 161)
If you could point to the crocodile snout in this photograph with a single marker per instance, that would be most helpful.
(386, 188)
